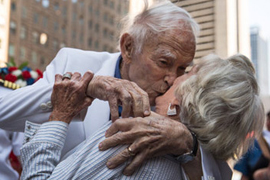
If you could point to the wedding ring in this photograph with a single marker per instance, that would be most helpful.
(130, 151)
(66, 75)
(171, 112)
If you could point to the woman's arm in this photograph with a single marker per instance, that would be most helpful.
(42, 153)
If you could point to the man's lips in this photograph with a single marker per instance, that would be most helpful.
(161, 92)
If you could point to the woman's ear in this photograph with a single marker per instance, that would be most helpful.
(127, 47)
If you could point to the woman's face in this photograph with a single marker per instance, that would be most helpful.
(163, 102)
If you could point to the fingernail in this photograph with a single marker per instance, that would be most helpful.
(100, 146)
(109, 164)
(146, 112)
(126, 173)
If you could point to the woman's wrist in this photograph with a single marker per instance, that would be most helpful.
(58, 116)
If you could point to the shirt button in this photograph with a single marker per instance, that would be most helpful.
(28, 127)
(49, 105)
(43, 106)
(35, 133)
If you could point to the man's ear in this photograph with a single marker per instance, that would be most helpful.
(127, 47)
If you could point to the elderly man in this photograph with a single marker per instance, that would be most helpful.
(156, 47)
(209, 96)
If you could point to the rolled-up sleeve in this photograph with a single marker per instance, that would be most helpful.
(42, 148)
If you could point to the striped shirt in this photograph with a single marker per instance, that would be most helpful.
(41, 152)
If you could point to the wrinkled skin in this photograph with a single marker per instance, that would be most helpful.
(162, 102)
(69, 96)
(162, 60)
(150, 136)
(130, 96)
(162, 133)
(153, 71)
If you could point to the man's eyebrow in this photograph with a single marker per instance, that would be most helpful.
(167, 54)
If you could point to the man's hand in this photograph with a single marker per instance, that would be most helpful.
(129, 95)
(69, 96)
(148, 137)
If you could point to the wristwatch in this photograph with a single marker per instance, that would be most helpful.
(189, 156)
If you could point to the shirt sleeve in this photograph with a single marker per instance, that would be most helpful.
(42, 149)
(17, 141)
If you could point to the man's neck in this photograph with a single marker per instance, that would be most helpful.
(124, 70)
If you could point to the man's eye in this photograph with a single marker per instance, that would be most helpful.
(181, 71)
(182, 68)
(163, 62)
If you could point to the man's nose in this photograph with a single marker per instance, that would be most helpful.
(170, 78)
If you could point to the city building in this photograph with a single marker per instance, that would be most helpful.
(4, 31)
(37, 29)
(259, 57)
(224, 30)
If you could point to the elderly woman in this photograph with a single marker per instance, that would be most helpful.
(218, 101)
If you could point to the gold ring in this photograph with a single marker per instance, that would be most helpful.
(130, 151)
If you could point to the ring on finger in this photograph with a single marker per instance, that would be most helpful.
(131, 153)
(66, 75)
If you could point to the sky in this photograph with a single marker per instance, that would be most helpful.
(259, 15)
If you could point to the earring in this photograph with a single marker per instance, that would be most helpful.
(171, 112)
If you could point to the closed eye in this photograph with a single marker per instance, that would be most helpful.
(163, 63)
(181, 71)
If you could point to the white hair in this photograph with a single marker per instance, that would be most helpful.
(221, 104)
(160, 17)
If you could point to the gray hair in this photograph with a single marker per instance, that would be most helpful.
(160, 17)
(221, 104)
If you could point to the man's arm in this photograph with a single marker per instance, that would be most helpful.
(31, 103)
(149, 137)
(119, 92)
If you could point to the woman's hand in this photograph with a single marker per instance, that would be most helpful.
(69, 96)
(129, 95)
(148, 137)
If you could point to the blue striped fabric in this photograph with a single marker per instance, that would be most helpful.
(41, 156)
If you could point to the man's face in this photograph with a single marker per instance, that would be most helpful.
(162, 102)
(163, 59)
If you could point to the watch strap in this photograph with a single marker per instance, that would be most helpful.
(189, 156)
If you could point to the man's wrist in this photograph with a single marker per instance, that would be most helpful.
(189, 156)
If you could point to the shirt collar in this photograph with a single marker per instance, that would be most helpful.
(117, 73)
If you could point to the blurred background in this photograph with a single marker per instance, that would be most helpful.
(35, 30)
